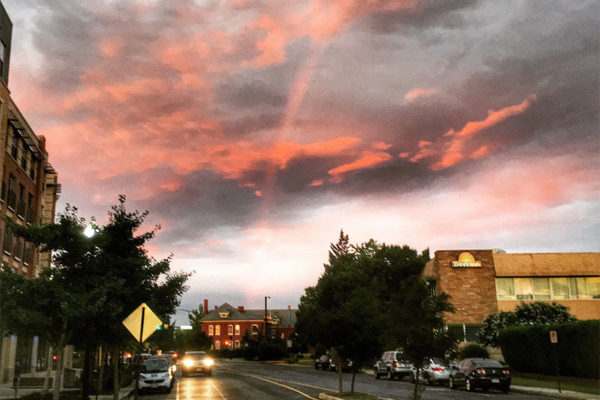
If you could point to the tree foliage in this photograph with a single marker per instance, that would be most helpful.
(371, 296)
(526, 314)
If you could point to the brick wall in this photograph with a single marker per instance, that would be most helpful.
(472, 290)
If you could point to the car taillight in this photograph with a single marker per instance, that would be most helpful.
(480, 371)
(437, 369)
(506, 372)
(395, 364)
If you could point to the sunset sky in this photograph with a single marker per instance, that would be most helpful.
(253, 131)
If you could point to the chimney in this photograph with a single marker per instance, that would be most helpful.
(241, 308)
(205, 306)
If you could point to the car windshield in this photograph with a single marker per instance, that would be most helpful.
(400, 357)
(151, 366)
(487, 363)
(196, 356)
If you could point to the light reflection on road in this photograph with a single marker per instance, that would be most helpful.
(206, 388)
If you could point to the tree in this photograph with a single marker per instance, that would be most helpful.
(105, 277)
(339, 311)
(535, 313)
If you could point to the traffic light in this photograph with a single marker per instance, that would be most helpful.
(226, 342)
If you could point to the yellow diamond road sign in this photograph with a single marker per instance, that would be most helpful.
(133, 322)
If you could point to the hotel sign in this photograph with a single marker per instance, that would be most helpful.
(466, 260)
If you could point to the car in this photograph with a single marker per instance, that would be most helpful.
(346, 367)
(194, 362)
(392, 364)
(323, 362)
(481, 373)
(435, 370)
(156, 375)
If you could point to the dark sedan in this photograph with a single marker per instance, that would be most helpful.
(480, 373)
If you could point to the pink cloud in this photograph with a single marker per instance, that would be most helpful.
(419, 92)
(369, 159)
(380, 146)
(316, 182)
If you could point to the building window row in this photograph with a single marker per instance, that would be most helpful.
(18, 150)
(20, 249)
(548, 288)
(215, 330)
(19, 200)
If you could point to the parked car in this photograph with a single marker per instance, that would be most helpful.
(156, 375)
(323, 362)
(196, 362)
(347, 367)
(435, 370)
(392, 364)
(480, 373)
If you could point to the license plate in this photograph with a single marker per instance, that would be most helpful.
(495, 380)
(198, 369)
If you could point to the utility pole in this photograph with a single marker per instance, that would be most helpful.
(266, 320)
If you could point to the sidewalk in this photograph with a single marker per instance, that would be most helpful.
(8, 392)
(565, 394)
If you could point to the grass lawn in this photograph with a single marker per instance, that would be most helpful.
(551, 382)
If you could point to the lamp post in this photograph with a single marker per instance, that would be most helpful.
(266, 320)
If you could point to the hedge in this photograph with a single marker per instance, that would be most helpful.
(528, 348)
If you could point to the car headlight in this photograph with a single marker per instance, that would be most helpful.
(188, 362)
(208, 362)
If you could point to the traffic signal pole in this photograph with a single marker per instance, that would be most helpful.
(139, 360)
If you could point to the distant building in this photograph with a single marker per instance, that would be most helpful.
(483, 282)
(28, 195)
(226, 325)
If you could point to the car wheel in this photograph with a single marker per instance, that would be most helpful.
(317, 367)
(376, 373)
(413, 378)
(389, 375)
(468, 385)
(451, 383)
(209, 372)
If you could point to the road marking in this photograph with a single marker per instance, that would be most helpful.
(218, 391)
(279, 384)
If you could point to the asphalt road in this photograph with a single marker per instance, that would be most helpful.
(234, 380)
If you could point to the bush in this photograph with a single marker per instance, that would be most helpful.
(472, 350)
(528, 349)
(271, 350)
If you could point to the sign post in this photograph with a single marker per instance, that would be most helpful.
(554, 344)
(147, 321)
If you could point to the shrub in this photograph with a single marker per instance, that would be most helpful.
(472, 350)
(528, 349)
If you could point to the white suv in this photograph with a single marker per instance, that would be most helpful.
(392, 364)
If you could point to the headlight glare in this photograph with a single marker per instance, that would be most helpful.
(208, 362)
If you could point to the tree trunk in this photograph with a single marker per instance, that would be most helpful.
(353, 379)
(60, 350)
(337, 359)
(416, 395)
(116, 359)
(48, 371)
(85, 375)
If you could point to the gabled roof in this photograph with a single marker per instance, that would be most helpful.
(226, 312)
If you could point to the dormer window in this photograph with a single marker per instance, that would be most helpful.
(224, 314)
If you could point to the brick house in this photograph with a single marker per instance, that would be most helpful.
(226, 325)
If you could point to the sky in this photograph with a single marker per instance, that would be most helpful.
(254, 131)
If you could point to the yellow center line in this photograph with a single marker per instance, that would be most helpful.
(280, 384)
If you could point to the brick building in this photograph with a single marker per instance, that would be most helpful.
(226, 325)
(28, 195)
(483, 282)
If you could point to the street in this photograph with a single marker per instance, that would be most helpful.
(254, 380)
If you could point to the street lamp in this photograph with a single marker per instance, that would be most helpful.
(266, 322)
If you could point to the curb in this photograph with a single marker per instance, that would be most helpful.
(565, 394)
(325, 396)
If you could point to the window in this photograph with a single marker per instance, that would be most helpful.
(7, 244)
(3, 195)
(505, 288)
(12, 196)
(560, 289)
(254, 329)
(218, 344)
(237, 344)
(523, 289)
(24, 157)
(14, 147)
(578, 288)
(593, 286)
(237, 330)
(217, 330)
(230, 330)
(32, 169)
(541, 288)
(211, 330)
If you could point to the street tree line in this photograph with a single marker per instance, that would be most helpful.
(372, 297)
(91, 286)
